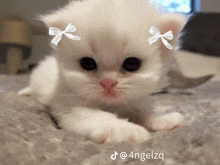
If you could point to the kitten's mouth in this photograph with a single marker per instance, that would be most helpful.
(109, 94)
(114, 97)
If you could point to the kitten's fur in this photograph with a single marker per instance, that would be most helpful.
(110, 31)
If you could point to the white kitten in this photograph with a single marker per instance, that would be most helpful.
(94, 85)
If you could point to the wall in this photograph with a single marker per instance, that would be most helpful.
(210, 5)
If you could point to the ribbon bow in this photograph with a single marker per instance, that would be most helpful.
(58, 33)
(168, 35)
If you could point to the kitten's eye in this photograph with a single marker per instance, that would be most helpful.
(88, 64)
(131, 64)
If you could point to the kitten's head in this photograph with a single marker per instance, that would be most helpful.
(113, 62)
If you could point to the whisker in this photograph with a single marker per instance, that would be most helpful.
(123, 86)
(85, 103)
(81, 92)
(126, 103)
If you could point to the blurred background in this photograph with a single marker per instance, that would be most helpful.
(35, 45)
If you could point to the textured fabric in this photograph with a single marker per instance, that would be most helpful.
(29, 136)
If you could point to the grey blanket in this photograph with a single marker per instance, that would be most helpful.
(29, 136)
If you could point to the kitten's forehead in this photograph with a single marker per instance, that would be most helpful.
(110, 45)
(106, 45)
(107, 30)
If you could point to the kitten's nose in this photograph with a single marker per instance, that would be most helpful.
(108, 83)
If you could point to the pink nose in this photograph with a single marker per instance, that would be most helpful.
(108, 83)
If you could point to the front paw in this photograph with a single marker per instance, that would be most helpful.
(119, 131)
(165, 122)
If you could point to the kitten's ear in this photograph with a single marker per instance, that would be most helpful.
(51, 20)
(168, 22)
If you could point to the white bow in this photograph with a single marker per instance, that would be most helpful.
(168, 35)
(58, 33)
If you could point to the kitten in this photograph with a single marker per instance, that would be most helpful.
(100, 86)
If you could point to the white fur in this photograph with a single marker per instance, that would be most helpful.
(111, 30)
(42, 81)
(165, 122)
(102, 126)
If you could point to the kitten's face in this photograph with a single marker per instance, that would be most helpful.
(113, 62)
(110, 71)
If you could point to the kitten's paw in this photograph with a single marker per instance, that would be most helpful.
(120, 131)
(166, 122)
(25, 92)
